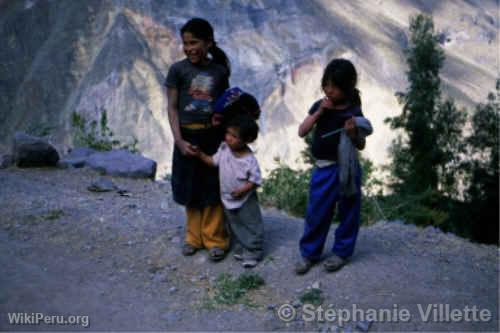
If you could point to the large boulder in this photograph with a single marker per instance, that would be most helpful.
(122, 163)
(31, 151)
(77, 157)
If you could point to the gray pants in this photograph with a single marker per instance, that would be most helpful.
(247, 229)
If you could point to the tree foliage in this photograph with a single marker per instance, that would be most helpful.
(481, 170)
(424, 155)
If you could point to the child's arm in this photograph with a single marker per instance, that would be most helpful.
(242, 190)
(207, 159)
(254, 179)
(173, 118)
(311, 119)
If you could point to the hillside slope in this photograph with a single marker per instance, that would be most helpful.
(67, 251)
(88, 56)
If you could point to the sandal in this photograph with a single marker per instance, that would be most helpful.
(216, 254)
(188, 249)
(303, 265)
(334, 263)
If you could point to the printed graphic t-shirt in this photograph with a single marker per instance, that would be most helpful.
(198, 87)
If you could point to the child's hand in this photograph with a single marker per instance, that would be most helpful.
(196, 151)
(186, 148)
(217, 119)
(350, 128)
(326, 103)
(238, 193)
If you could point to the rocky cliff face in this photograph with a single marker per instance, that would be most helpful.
(60, 57)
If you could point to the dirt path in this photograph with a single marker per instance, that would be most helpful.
(67, 251)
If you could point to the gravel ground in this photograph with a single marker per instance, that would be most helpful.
(67, 251)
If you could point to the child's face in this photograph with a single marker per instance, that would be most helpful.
(333, 92)
(232, 138)
(196, 49)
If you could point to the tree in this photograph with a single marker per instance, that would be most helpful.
(424, 156)
(482, 170)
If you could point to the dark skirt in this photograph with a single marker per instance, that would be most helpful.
(194, 183)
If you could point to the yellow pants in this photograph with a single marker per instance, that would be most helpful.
(205, 227)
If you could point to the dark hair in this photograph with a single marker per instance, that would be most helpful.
(246, 104)
(247, 126)
(202, 29)
(341, 72)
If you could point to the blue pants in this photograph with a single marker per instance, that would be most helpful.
(324, 193)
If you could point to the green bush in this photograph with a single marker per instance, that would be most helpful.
(287, 189)
(312, 296)
(230, 291)
(97, 136)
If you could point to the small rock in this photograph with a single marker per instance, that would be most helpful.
(102, 185)
(176, 240)
(316, 285)
(363, 325)
(124, 193)
(324, 329)
(297, 304)
(6, 161)
(86, 247)
(348, 328)
(172, 290)
(271, 306)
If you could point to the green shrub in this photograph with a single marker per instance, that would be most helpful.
(312, 296)
(287, 189)
(230, 291)
(97, 136)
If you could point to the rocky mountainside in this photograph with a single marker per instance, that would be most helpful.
(114, 258)
(89, 56)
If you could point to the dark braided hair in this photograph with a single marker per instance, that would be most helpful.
(201, 28)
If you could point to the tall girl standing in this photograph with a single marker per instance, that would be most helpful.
(193, 85)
